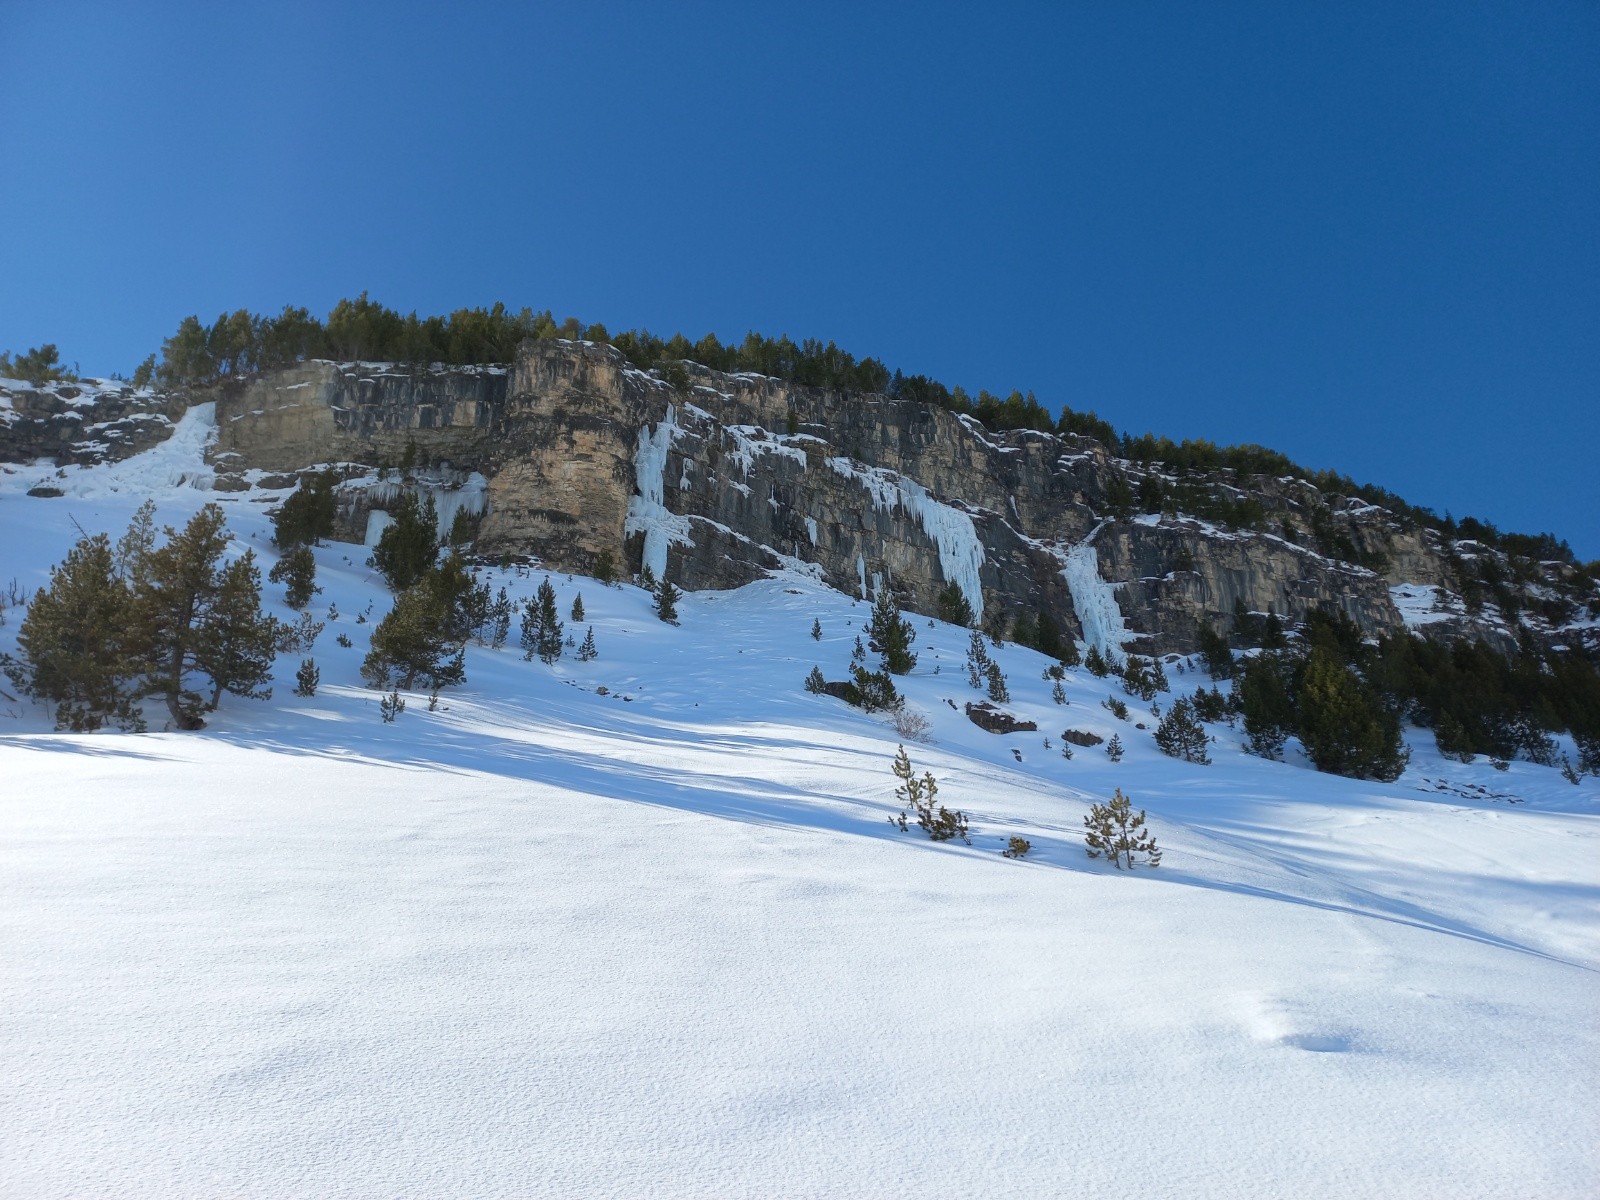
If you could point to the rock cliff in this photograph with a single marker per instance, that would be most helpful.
(570, 452)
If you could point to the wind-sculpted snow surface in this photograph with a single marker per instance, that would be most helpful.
(661, 939)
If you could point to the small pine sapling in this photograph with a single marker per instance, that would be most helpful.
(391, 706)
(1114, 748)
(344, 640)
(1058, 693)
(859, 654)
(605, 567)
(816, 630)
(1017, 847)
(1096, 663)
(577, 609)
(977, 661)
(917, 796)
(1117, 708)
(815, 683)
(307, 678)
(588, 652)
(1117, 832)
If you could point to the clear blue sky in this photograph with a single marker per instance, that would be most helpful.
(1367, 235)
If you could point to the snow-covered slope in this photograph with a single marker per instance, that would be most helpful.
(663, 941)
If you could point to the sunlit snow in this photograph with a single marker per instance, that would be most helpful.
(641, 927)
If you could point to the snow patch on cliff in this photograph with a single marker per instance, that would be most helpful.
(1095, 600)
(751, 440)
(647, 512)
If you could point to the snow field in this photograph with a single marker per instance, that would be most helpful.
(663, 941)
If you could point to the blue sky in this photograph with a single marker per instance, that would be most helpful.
(1365, 235)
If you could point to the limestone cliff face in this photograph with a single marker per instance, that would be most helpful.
(713, 486)
(83, 423)
(322, 412)
(575, 453)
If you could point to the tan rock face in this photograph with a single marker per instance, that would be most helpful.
(757, 468)
(339, 412)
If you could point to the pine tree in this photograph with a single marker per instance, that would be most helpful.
(307, 678)
(542, 631)
(297, 571)
(587, 652)
(1179, 735)
(858, 655)
(998, 691)
(1453, 739)
(1264, 701)
(977, 661)
(815, 683)
(1137, 679)
(74, 646)
(191, 616)
(420, 639)
(1058, 693)
(816, 629)
(875, 690)
(995, 626)
(1096, 663)
(408, 547)
(605, 567)
(1344, 726)
(1215, 653)
(667, 598)
(1047, 635)
(577, 609)
(238, 643)
(498, 623)
(953, 605)
(1115, 831)
(307, 516)
(135, 545)
(1114, 748)
(892, 635)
